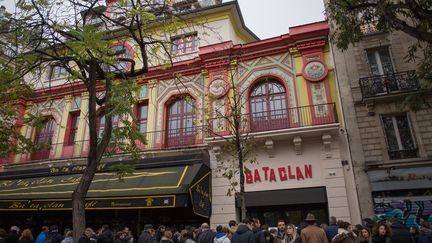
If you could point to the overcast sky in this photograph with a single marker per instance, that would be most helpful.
(268, 18)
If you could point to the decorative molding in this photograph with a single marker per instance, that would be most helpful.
(297, 140)
(204, 73)
(85, 95)
(294, 52)
(319, 44)
(68, 98)
(326, 138)
(152, 83)
(269, 146)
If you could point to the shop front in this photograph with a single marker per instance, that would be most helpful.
(290, 183)
(166, 190)
(404, 193)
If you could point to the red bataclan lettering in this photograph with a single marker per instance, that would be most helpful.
(283, 174)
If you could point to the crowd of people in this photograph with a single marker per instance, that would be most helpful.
(249, 230)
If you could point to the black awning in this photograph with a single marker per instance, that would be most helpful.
(167, 186)
(286, 197)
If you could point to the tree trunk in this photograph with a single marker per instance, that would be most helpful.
(93, 158)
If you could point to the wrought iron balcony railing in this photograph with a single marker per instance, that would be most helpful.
(389, 84)
(296, 117)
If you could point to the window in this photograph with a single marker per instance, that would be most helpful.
(142, 118)
(181, 117)
(399, 136)
(121, 51)
(184, 44)
(380, 62)
(44, 136)
(101, 124)
(57, 72)
(268, 106)
(73, 128)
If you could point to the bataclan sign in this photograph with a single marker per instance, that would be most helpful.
(286, 173)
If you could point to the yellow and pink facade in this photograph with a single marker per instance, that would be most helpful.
(290, 102)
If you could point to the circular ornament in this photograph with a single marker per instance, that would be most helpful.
(218, 88)
(315, 70)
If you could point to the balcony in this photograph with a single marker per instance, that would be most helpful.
(387, 84)
(188, 137)
(295, 117)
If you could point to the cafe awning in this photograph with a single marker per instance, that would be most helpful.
(160, 187)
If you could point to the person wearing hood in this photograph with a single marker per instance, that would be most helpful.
(221, 235)
(244, 232)
(400, 233)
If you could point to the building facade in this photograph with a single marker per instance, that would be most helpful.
(390, 143)
(291, 108)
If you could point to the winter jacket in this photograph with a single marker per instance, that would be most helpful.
(107, 236)
(281, 237)
(221, 238)
(259, 235)
(145, 237)
(54, 237)
(67, 240)
(206, 236)
(400, 233)
(243, 235)
(41, 237)
(380, 239)
(84, 239)
(313, 234)
(331, 231)
(425, 235)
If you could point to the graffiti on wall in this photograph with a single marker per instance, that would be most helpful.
(409, 209)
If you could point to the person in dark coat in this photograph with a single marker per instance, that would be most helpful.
(244, 232)
(53, 235)
(160, 232)
(205, 235)
(256, 229)
(332, 229)
(106, 236)
(381, 234)
(400, 233)
(147, 235)
(13, 235)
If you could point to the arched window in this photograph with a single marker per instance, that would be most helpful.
(181, 118)
(268, 105)
(44, 137)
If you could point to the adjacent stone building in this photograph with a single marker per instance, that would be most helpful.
(390, 144)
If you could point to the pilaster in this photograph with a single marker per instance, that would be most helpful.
(26, 130)
(63, 124)
(152, 117)
(80, 144)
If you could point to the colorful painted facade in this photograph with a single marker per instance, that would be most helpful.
(291, 108)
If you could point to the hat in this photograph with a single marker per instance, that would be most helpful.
(148, 226)
(310, 217)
